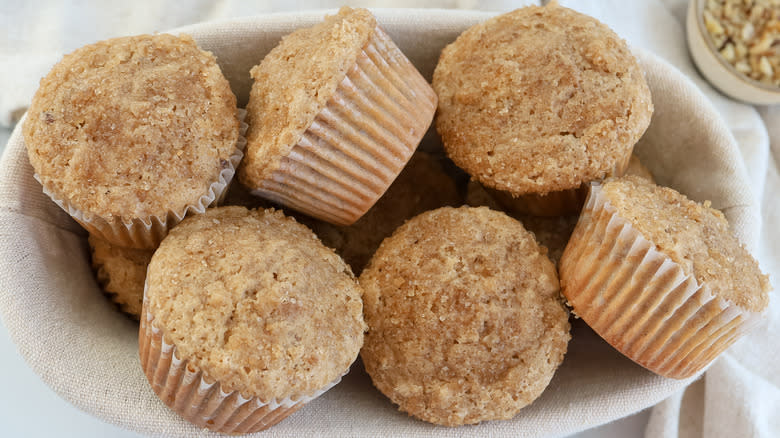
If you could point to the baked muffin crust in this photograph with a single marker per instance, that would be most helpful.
(294, 82)
(132, 127)
(121, 272)
(694, 236)
(255, 301)
(540, 99)
(464, 315)
(552, 232)
(421, 186)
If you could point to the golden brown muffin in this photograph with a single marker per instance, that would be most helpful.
(311, 72)
(121, 273)
(335, 112)
(694, 236)
(421, 186)
(130, 129)
(540, 100)
(253, 301)
(465, 318)
(660, 277)
(551, 232)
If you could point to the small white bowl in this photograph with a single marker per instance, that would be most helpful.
(717, 70)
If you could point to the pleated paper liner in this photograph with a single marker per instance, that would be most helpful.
(558, 203)
(358, 144)
(189, 393)
(147, 233)
(241, 146)
(640, 301)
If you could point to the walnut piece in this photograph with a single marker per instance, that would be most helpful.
(746, 33)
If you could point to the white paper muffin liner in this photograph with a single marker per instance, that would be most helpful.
(641, 301)
(241, 146)
(184, 389)
(558, 203)
(147, 233)
(358, 144)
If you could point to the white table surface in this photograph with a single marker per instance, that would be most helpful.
(28, 408)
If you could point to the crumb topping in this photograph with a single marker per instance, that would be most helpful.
(695, 236)
(465, 318)
(132, 127)
(422, 185)
(121, 272)
(254, 300)
(540, 99)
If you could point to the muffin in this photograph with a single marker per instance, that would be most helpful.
(121, 273)
(660, 277)
(538, 102)
(130, 134)
(335, 112)
(246, 318)
(527, 206)
(551, 232)
(465, 318)
(421, 186)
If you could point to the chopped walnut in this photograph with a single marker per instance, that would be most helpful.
(746, 33)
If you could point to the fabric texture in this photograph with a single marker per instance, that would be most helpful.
(87, 352)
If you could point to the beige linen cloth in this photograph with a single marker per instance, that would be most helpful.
(71, 336)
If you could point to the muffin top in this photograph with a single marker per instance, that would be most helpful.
(421, 186)
(254, 300)
(132, 127)
(540, 99)
(464, 314)
(121, 272)
(294, 82)
(694, 236)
